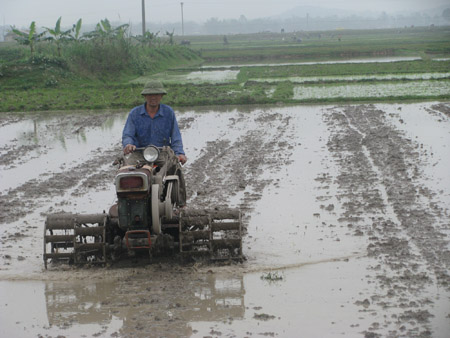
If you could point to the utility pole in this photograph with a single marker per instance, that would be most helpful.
(182, 20)
(143, 17)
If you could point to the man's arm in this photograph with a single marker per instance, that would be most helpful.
(177, 142)
(128, 136)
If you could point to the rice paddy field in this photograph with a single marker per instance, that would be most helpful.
(345, 202)
(341, 66)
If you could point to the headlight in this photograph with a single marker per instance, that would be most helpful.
(131, 182)
(151, 154)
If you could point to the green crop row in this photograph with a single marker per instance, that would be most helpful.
(127, 96)
(341, 69)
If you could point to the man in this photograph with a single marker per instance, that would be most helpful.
(153, 123)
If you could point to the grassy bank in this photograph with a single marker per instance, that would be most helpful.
(87, 65)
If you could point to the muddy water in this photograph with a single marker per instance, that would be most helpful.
(345, 213)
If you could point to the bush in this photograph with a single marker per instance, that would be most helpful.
(51, 82)
(45, 60)
(104, 59)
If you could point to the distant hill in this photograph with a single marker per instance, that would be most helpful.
(316, 11)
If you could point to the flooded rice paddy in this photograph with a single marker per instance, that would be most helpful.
(372, 90)
(345, 212)
(389, 77)
(419, 85)
(199, 76)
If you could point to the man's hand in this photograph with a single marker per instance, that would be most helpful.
(129, 148)
(182, 158)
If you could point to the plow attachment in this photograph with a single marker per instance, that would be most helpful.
(81, 239)
(213, 233)
(74, 238)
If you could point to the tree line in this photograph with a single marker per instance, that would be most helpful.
(104, 32)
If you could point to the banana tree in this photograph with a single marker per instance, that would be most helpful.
(170, 35)
(29, 38)
(148, 38)
(57, 35)
(104, 31)
(76, 29)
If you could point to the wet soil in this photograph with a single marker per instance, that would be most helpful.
(345, 213)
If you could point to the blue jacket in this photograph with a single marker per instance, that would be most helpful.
(162, 130)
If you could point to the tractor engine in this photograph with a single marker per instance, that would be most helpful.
(133, 194)
(133, 188)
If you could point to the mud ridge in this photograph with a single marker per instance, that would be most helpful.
(225, 169)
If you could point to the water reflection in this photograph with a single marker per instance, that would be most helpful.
(77, 303)
(201, 76)
(142, 304)
(218, 298)
(46, 128)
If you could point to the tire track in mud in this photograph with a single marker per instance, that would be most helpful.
(379, 169)
(32, 194)
(225, 169)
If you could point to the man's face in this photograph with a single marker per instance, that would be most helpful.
(153, 100)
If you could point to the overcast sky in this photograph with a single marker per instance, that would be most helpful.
(45, 12)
